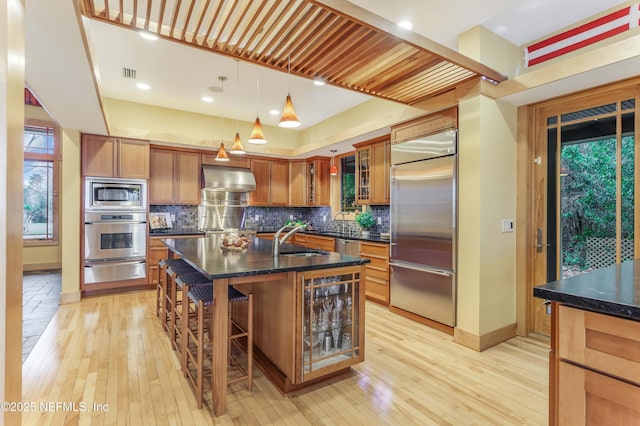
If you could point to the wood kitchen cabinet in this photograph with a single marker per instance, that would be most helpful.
(329, 339)
(175, 177)
(308, 325)
(318, 181)
(114, 157)
(234, 161)
(318, 242)
(298, 183)
(373, 159)
(157, 252)
(272, 183)
(376, 281)
(595, 374)
(279, 183)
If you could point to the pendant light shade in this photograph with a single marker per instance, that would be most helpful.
(289, 118)
(257, 136)
(222, 154)
(237, 147)
(333, 169)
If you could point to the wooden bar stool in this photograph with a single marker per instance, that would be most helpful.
(185, 280)
(196, 319)
(166, 292)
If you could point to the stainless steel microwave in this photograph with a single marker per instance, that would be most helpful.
(114, 193)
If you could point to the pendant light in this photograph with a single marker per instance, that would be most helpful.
(237, 147)
(289, 118)
(333, 169)
(257, 136)
(222, 153)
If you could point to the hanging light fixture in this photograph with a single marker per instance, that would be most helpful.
(333, 169)
(257, 135)
(222, 153)
(289, 118)
(237, 147)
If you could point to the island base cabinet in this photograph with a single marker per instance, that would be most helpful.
(594, 375)
(294, 312)
(331, 322)
(589, 398)
(273, 325)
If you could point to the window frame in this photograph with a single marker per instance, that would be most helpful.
(56, 159)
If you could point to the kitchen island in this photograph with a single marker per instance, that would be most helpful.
(594, 362)
(308, 308)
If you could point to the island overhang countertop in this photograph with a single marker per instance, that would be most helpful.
(614, 290)
(207, 255)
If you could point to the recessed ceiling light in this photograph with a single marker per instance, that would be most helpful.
(143, 86)
(318, 81)
(405, 24)
(208, 99)
(274, 112)
(148, 36)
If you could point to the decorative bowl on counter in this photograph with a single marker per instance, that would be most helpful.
(235, 241)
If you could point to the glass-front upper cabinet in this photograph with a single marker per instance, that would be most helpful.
(363, 175)
(331, 317)
(373, 160)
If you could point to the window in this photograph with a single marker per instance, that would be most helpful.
(40, 183)
(348, 183)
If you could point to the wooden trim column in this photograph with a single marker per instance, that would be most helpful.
(220, 330)
(12, 59)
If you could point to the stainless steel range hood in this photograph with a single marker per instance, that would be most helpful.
(224, 198)
(228, 179)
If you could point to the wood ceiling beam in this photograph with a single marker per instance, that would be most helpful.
(206, 40)
(371, 20)
(346, 45)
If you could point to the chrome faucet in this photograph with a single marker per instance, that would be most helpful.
(277, 241)
(343, 220)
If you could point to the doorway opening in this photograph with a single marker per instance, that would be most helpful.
(584, 201)
(594, 175)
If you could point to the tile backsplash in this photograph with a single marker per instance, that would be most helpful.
(273, 218)
(185, 217)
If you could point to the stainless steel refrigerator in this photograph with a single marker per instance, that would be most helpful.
(423, 226)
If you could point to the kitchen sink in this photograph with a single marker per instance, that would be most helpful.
(305, 253)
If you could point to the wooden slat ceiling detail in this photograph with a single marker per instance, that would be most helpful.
(321, 42)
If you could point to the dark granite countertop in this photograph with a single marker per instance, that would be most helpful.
(206, 255)
(374, 237)
(614, 290)
(174, 232)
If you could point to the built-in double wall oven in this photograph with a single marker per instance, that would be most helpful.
(115, 230)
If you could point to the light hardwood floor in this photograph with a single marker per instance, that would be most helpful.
(111, 350)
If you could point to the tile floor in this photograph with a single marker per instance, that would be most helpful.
(40, 300)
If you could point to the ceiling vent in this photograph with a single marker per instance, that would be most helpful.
(129, 73)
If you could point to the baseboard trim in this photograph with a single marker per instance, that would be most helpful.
(30, 267)
(422, 320)
(480, 343)
(66, 298)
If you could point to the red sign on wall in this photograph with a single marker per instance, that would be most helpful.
(584, 35)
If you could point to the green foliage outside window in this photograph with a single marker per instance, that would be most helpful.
(588, 188)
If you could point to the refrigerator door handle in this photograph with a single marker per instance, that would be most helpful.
(428, 270)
